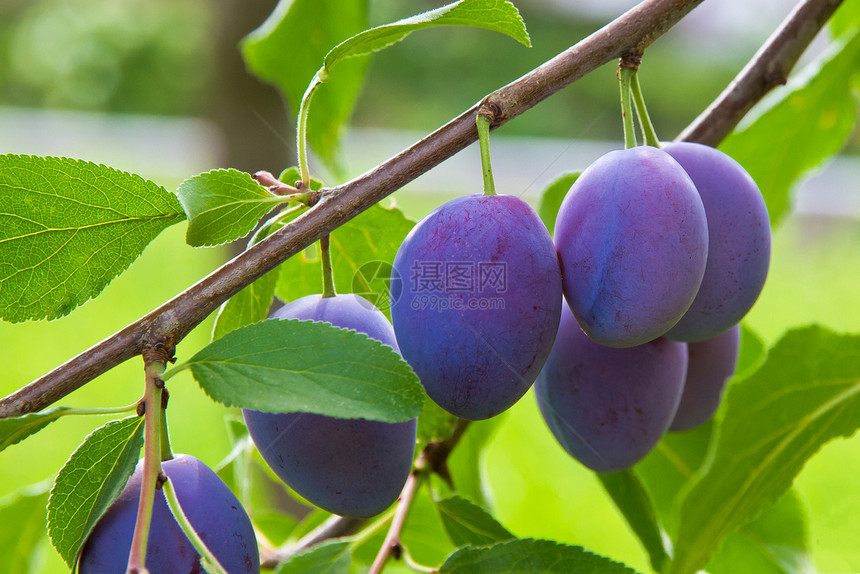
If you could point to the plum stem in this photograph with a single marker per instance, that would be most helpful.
(153, 368)
(626, 75)
(325, 256)
(432, 458)
(484, 119)
(302, 129)
(648, 132)
(210, 563)
(166, 452)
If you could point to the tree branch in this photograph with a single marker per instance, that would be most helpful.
(767, 69)
(629, 34)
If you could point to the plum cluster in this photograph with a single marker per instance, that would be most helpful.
(663, 252)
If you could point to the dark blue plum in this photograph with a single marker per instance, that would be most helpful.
(212, 509)
(478, 303)
(739, 242)
(351, 467)
(711, 364)
(609, 407)
(632, 238)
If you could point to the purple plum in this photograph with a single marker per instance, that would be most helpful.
(738, 245)
(632, 239)
(609, 407)
(476, 291)
(351, 467)
(210, 506)
(711, 364)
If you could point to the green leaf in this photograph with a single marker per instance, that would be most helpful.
(468, 524)
(14, 430)
(223, 205)
(465, 461)
(333, 557)
(813, 116)
(90, 481)
(497, 15)
(249, 305)
(552, 196)
(362, 251)
(307, 366)
(67, 228)
(434, 423)
(530, 556)
(672, 464)
(633, 501)
(774, 543)
(287, 50)
(752, 353)
(806, 393)
(846, 18)
(22, 525)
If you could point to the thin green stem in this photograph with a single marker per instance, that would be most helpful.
(166, 453)
(648, 133)
(151, 466)
(325, 257)
(626, 75)
(483, 121)
(100, 410)
(302, 129)
(209, 562)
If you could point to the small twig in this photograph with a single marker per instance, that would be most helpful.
(334, 527)
(276, 186)
(434, 456)
(154, 362)
(392, 539)
(768, 68)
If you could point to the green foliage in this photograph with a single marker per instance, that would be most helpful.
(14, 430)
(67, 227)
(307, 366)
(249, 305)
(468, 524)
(534, 556)
(328, 558)
(633, 501)
(497, 15)
(90, 481)
(800, 126)
(361, 251)
(552, 196)
(774, 543)
(22, 525)
(223, 205)
(806, 393)
(288, 49)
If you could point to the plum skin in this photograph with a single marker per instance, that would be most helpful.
(350, 467)
(632, 239)
(479, 353)
(711, 364)
(608, 407)
(210, 506)
(739, 242)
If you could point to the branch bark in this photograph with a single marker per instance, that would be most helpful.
(629, 34)
(768, 69)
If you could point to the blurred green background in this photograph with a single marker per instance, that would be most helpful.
(158, 87)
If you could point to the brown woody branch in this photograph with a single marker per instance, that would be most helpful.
(768, 69)
(629, 34)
